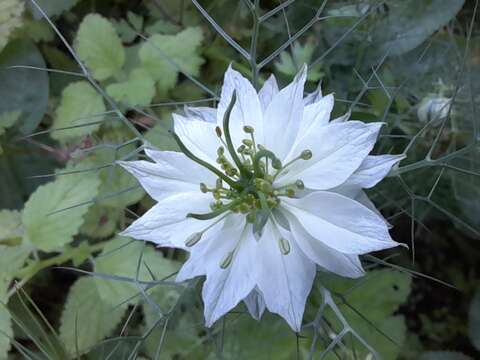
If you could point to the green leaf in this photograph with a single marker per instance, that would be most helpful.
(80, 105)
(410, 23)
(11, 227)
(159, 137)
(10, 18)
(444, 355)
(52, 7)
(47, 230)
(101, 221)
(23, 90)
(86, 319)
(99, 46)
(474, 320)
(139, 89)
(291, 63)
(120, 257)
(377, 297)
(160, 52)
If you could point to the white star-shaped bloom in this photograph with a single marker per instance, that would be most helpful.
(266, 190)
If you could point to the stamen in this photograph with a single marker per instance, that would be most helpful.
(193, 239)
(304, 155)
(299, 184)
(284, 246)
(227, 260)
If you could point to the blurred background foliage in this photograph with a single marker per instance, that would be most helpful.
(103, 84)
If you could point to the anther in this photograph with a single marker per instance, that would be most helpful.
(193, 239)
(218, 131)
(220, 151)
(290, 192)
(299, 184)
(306, 155)
(203, 188)
(247, 142)
(284, 246)
(219, 183)
(277, 164)
(248, 129)
(227, 260)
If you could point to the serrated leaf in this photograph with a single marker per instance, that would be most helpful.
(47, 230)
(474, 320)
(23, 90)
(444, 355)
(11, 227)
(86, 319)
(99, 46)
(120, 257)
(139, 89)
(101, 221)
(10, 18)
(80, 105)
(52, 7)
(377, 298)
(160, 52)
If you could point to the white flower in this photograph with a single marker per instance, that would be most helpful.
(434, 108)
(262, 194)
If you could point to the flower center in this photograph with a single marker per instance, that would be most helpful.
(245, 183)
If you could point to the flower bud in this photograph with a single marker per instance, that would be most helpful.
(434, 108)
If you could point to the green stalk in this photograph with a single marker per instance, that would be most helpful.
(205, 164)
(228, 138)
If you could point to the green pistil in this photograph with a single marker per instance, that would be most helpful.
(244, 184)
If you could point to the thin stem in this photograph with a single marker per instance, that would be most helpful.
(254, 42)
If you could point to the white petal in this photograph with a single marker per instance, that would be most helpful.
(284, 280)
(342, 118)
(267, 92)
(225, 288)
(284, 115)
(255, 304)
(166, 223)
(247, 109)
(199, 253)
(340, 223)
(329, 259)
(198, 136)
(172, 173)
(314, 96)
(338, 150)
(316, 114)
(372, 170)
(203, 113)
